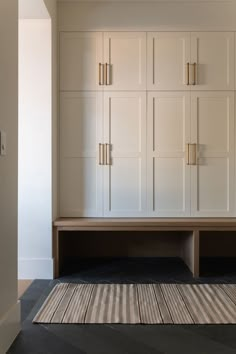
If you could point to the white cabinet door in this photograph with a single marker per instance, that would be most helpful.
(80, 174)
(212, 178)
(167, 56)
(125, 131)
(80, 55)
(125, 52)
(168, 186)
(213, 52)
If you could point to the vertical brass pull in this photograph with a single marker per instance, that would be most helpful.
(100, 71)
(100, 76)
(105, 153)
(108, 154)
(187, 74)
(105, 74)
(195, 73)
(187, 154)
(194, 154)
(108, 67)
(191, 74)
(101, 159)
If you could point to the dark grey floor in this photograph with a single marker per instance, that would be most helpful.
(130, 339)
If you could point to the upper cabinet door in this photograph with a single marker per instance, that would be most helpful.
(80, 55)
(168, 55)
(125, 60)
(213, 53)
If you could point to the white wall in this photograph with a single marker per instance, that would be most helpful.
(147, 16)
(37, 136)
(33, 9)
(52, 10)
(9, 308)
(35, 150)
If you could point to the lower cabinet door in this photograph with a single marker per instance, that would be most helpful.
(212, 177)
(80, 173)
(168, 174)
(125, 136)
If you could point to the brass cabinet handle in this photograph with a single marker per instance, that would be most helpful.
(187, 74)
(187, 154)
(108, 68)
(107, 74)
(191, 74)
(108, 154)
(104, 154)
(195, 73)
(101, 159)
(191, 154)
(194, 154)
(100, 74)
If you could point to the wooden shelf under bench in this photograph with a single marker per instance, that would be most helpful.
(191, 227)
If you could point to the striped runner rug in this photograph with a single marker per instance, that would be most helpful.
(139, 303)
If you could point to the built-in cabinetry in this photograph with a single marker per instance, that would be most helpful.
(102, 61)
(190, 155)
(147, 124)
(190, 61)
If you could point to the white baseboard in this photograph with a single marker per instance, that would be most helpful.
(9, 327)
(35, 268)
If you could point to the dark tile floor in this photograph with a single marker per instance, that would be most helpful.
(130, 339)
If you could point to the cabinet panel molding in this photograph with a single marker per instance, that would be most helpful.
(213, 53)
(81, 177)
(168, 173)
(168, 54)
(125, 131)
(212, 178)
(125, 52)
(80, 55)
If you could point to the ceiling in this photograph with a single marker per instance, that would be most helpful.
(32, 9)
(163, 1)
(36, 9)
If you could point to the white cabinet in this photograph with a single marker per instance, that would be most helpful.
(97, 61)
(171, 156)
(125, 53)
(212, 178)
(117, 187)
(213, 53)
(80, 55)
(167, 56)
(96, 121)
(125, 132)
(191, 61)
(201, 184)
(81, 180)
(168, 174)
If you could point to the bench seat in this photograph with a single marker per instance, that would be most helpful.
(190, 241)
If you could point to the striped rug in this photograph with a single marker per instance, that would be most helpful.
(139, 303)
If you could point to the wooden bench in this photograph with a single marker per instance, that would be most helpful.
(192, 227)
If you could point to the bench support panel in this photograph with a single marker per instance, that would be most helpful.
(190, 251)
